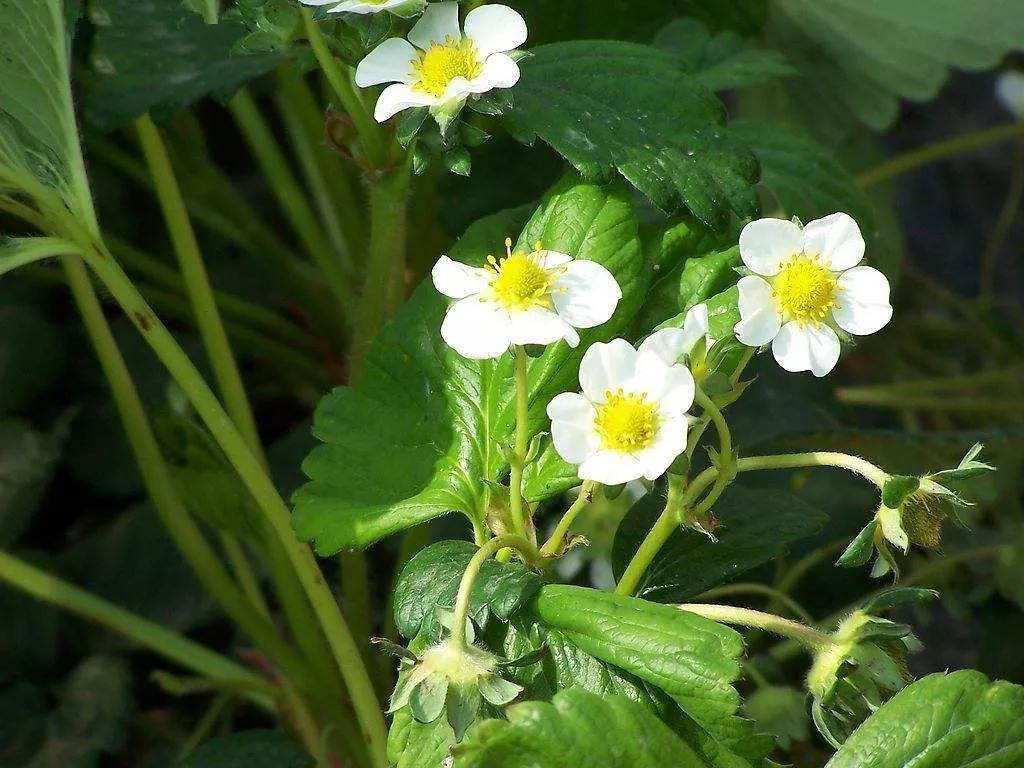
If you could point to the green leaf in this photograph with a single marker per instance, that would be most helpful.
(576, 728)
(756, 526)
(780, 711)
(958, 720)
(861, 548)
(250, 749)
(38, 136)
(412, 744)
(869, 55)
(692, 659)
(720, 61)
(897, 596)
(807, 180)
(159, 56)
(419, 436)
(431, 579)
(608, 105)
(95, 702)
(27, 461)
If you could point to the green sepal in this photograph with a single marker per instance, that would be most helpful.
(897, 488)
(421, 159)
(428, 698)
(473, 136)
(860, 549)
(716, 383)
(458, 161)
(897, 596)
(499, 691)
(462, 705)
(409, 125)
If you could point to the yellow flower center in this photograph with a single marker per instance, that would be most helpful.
(805, 289)
(441, 63)
(520, 280)
(626, 422)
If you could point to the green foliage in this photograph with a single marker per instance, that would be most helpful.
(250, 749)
(420, 433)
(944, 720)
(780, 711)
(867, 56)
(158, 56)
(577, 728)
(431, 580)
(608, 106)
(412, 744)
(720, 61)
(756, 526)
(689, 657)
(37, 123)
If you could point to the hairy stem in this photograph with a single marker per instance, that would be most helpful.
(807, 636)
(518, 457)
(507, 541)
(753, 588)
(725, 457)
(554, 543)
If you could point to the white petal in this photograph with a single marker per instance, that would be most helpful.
(495, 28)
(572, 427)
(766, 243)
(477, 329)
(499, 71)
(892, 527)
(552, 259)
(458, 89)
(456, 280)
(1010, 92)
(585, 294)
(605, 366)
(439, 21)
(651, 376)
(670, 344)
(760, 319)
(668, 444)
(801, 347)
(863, 301)
(397, 97)
(677, 394)
(537, 325)
(357, 6)
(318, 2)
(611, 468)
(837, 239)
(389, 62)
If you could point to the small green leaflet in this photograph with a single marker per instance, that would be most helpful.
(610, 106)
(419, 436)
(576, 729)
(959, 720)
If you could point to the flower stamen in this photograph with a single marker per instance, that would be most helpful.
(626, 422)
(441, 63)
(520, 279)
(805, 289)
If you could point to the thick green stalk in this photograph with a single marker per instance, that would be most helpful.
(554, 543)
(386, 256)
(343, 646)
(666, 523)
(172, 646)
(374, 146)
(754, 588)
(183, 530)
(291, 198)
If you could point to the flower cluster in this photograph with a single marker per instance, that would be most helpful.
(804, 291)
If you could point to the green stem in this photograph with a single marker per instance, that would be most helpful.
(518, 458)
(675, 508)
(290, 196)
(939, 150)
(554, 543)
(753, 588)
(183, 530)
(370, 135)
(506, 541)
(387, 256)
(180, 650)
(725, 456)
(807, 636)
(204, 727)
(342, 644)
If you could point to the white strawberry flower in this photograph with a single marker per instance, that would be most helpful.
(440, 65)
(630, 419)
(404, 8)
(524, 298)
(672, 344)
(1010, 92)
(806, 283)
